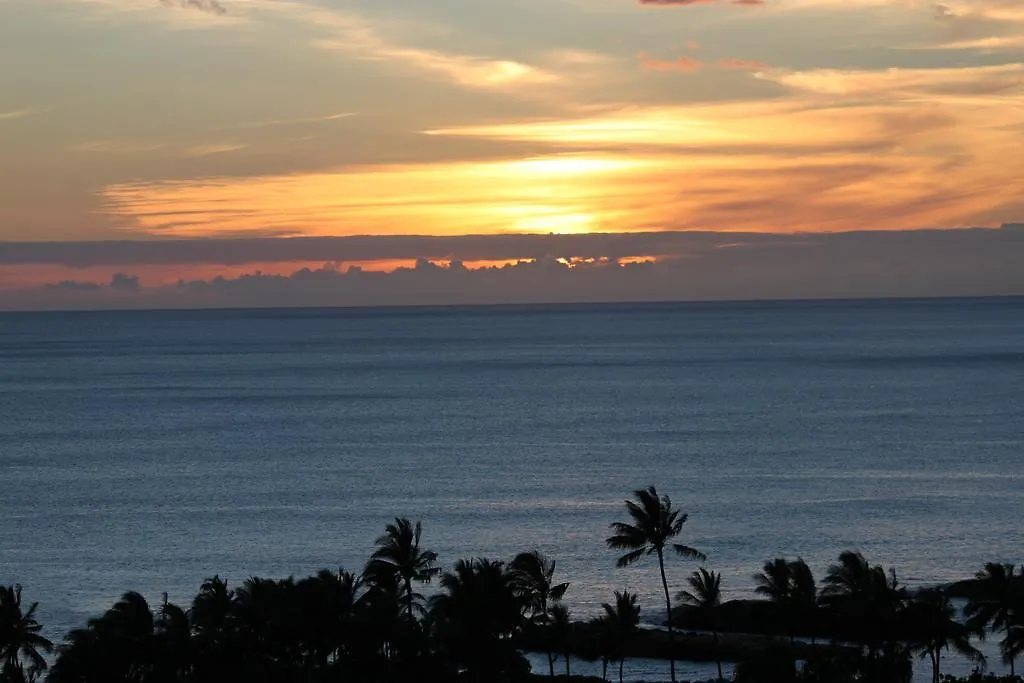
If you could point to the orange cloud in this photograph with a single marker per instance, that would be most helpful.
(687, 64)
(846, 149)
(741, 64)
(685, 3)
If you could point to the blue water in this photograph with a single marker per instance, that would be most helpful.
(149, 450)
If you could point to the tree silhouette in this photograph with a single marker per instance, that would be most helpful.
(399, 557)
(999, 604)
(173, 651)
(118, 646)
(476, 618)
(705, 595)
(1012, 646)
(562, 633)
(21, 646)
(931, 618)
(803, 595)
(212, 617)
(654, 525)
(869, 603)
(532, 578)
(621, 622)
(775, 582)
(791, 586)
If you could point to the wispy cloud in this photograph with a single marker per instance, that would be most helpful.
(16, 114)
(171, 13)
(357, 38)
(117, 147)
(209, 149)
(689, 64)
(685, 3)
(1012, 43)
(293, 121)
(682, 63)
(913, 83)
(211, 6)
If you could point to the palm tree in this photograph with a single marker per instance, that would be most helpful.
(932, 618)
(803, 595)
(621, 621)
(562, 632)
(851, 576)
(869, 599)
(775, 582)
(1012, 645)
(399, 556)
(476, 618)
(790, 585)
(118, 646)
(532, 578)
(173, 655)
(705, 595)
(999, 604)
(20, 642)
(213, 620)
(128, 628)
(654, 525)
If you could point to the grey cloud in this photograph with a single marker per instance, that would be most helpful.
(211, 6)
(693, 266)
(128, 283)
(482, 247)
(119, 282)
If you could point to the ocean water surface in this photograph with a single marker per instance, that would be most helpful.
(150, 450)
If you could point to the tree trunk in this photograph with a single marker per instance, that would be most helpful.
(604, 668)
(568, 669)
(621, 662)
(718, 659)
(551, 663)
(408, 595)
(668, 613)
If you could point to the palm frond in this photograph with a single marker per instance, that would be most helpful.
(630, 558)
(688, 552)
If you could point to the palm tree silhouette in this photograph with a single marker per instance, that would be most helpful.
(532, 578)
(476, 618)
(705, 595)
(775, 582)
(399, 556)
(173, 645)
(621, 622)
(212, 617)
(20, 642)
(118, 646)
(654, 525)
(869, 603)
(999, 605)
(791, 586)
(562, 633)
(1012, 646)
(803, 596)
(932, 618)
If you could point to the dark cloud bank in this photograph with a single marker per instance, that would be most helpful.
(690, 266)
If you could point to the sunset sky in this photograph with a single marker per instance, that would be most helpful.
(258, 121)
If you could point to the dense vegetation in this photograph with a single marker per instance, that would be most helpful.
(378, 626)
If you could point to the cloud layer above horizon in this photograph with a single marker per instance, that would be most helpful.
(509, 268)
(217, 119)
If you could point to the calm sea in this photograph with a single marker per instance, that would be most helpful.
(149, 450)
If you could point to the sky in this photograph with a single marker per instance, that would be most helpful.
(286, 152)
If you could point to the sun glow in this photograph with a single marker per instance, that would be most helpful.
(813, 161)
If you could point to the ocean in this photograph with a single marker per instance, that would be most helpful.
(150, 450)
